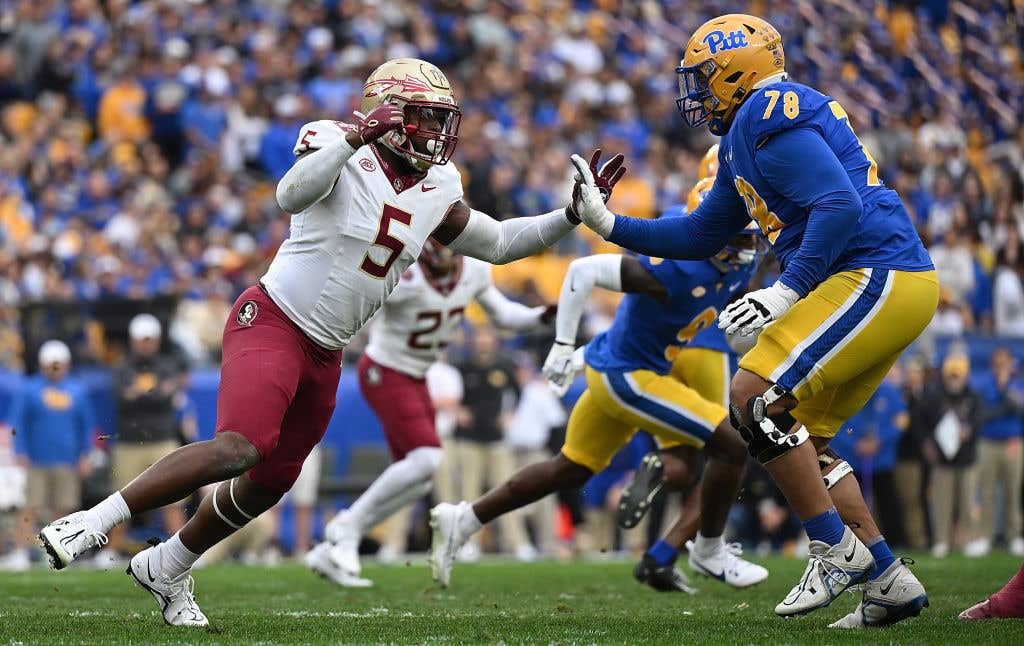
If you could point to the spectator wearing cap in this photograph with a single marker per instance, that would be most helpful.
(1000, 457)
(146, 384)
(53, 432)
(953, 449)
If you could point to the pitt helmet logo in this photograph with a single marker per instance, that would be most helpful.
(718, 41)
(247, 313)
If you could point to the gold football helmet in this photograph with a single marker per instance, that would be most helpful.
(432, 114)
(723, 61)
(709, 163)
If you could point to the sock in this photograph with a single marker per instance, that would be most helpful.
(109, 513)
(883, 555)
(663, 553)
(468, 522)
(706, 545)
(175, 558)
(410, 495)
(396, 480)
(826, 527)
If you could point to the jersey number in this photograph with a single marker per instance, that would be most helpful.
(770, 223)
(435, 319)
(840, 114)
(686, 334)
(790, 104)
(386, 240)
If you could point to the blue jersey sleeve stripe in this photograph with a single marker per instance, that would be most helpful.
(837, 331)
(665, 414)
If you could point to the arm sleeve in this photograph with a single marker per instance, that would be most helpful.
(832, 202)
(311, 178)
(508, 314)
(502, 242)
(696, 236)
(602, 270)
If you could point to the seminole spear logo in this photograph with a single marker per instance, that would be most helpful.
(408, 84)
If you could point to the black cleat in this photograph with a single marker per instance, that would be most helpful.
(638, 495)
(663, 578)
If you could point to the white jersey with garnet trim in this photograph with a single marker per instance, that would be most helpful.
(347, 252)
(419, 318)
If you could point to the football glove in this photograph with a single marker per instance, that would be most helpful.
(561, 366)
(382, 119)
(592, 189)
(757, 309)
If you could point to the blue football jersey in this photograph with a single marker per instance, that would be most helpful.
(647, 334)
(884, 235)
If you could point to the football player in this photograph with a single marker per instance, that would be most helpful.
(856, 288)
(364, 198)
(408, 334)
(1008, 603)
(629, 386)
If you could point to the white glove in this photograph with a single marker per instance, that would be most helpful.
(588, 203)
(560, 367)
(757, 309)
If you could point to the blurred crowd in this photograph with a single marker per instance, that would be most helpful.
(140, 142)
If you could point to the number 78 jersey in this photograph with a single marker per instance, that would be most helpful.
(346, 253)
(417, 321)
(884, 235)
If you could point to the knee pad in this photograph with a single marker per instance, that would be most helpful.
(840, 468)
(766, 435)
(425, 460)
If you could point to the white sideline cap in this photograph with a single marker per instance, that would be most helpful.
(144, 326)
(54, 351)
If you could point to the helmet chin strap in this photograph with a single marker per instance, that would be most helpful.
(394, 142)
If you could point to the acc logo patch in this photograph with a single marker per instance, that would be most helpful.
(718, 40)
(247, 313)
(368, 165)
(699, 291)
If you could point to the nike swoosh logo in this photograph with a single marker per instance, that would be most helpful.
(849, 557)
(425, 188)
(886, 589)
(149, 572)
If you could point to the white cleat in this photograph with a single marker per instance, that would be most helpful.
(727, 566)
(65, 539)
(830, 571)
(175, 596)
(894, 596)
(321, 560)
(448, 539)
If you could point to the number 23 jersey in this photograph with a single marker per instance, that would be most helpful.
(884, 235)
(418, 319)
(346, 253)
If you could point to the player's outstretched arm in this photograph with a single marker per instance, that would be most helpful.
(609, 271)
(322, 150)
(510, 315)
(699, 235)
(477, 234)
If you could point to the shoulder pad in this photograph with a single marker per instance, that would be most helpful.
(767, 111)
(317, 134)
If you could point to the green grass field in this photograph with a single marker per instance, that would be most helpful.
(499, 602)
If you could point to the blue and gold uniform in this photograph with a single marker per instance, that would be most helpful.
(663, 366)
(845, 243)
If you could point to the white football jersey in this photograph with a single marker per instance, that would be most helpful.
(347, 252)
(418, 320)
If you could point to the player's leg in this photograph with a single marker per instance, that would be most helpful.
(1008, 603)
(677, 414)
(406, 413)
(592, 439)
(847, 326)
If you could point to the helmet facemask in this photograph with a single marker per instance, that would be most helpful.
(430, 136)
